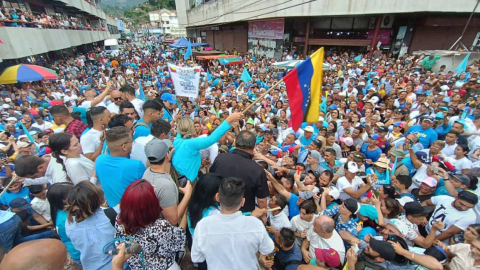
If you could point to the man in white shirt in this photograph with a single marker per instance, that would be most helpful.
(160, 129)
(230, 240)
(91, 140)
(40, 124)
(128, 94)
(455, 213)
(39, 170)
(116, 98)
(351, 186)
(322, 235)
(450, 143)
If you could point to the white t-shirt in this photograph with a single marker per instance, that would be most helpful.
(449, 150)
(138, 148)
(299, 225)
(90, 141)
(334, 242)
(79, 169)
(343, 183)
(419, 176)
(87, 104)
(460, 164)
(113, 108)
(42, 207)
(449, 215)
(44, 126)
(279, 221)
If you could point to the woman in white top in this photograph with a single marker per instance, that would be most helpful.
(459, 159)
(68, 152)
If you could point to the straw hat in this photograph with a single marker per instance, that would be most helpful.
(382, 162)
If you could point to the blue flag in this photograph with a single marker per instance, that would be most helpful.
(463, 65)
(28, 135)
(245, 76)
(209, 76)
(358, 58)
(188, 54)
(141, 94)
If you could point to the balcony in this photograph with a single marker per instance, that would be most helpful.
(86, 7)
(21, 42)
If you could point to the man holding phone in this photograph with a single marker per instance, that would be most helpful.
(159, 153)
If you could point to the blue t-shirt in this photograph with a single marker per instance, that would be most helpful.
(293, 208)
(372, 155)
(141, 130)
(83, 113)
(425, 137)
(3, 172)
(8, 196)
(60, 224)
(115, 174)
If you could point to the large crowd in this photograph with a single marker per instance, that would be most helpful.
(107, 159)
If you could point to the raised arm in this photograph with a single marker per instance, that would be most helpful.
(277, 186)
(204, 142)
(102, 95)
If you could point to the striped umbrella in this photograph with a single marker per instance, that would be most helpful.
(26, 73)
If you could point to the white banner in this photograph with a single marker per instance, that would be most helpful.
(186, 80)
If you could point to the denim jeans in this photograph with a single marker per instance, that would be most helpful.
(10, 232)
(42, 235)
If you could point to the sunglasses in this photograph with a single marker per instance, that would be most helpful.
(117, 98)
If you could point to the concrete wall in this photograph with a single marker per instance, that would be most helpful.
(21, 42)
(225, 11)
(85, 6)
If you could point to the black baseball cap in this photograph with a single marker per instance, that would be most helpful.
(415, 208)
(315, 173)
(468, 196)
(318, 143)
(383, 129)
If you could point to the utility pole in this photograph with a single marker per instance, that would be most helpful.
(459, 40)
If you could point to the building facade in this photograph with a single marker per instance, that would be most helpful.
(167, 21)
(273, 27)
(53, 28)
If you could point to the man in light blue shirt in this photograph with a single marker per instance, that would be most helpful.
(152, 111)
(425, 133)
(115, 171)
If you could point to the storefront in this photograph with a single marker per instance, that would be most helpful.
(266, 37)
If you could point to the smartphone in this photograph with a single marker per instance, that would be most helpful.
(2, 155)
(434, 168)
(356, 249)
(182, 181)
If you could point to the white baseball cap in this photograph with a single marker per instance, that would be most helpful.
(352, 167)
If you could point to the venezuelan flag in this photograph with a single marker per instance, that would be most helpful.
(304, 85)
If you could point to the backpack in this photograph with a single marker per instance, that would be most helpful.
(141, 123)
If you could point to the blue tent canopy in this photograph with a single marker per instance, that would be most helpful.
(181, 43)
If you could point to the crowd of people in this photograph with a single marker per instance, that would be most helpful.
(107, 159)
(21, 18)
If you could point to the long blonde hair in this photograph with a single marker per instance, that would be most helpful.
(186, 128)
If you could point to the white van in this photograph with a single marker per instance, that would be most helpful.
(111, 47)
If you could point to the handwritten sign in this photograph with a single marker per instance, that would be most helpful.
(186, 80)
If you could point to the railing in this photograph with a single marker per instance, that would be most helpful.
(50, 25)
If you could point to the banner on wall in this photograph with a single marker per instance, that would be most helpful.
(270, 29)
(186, 80)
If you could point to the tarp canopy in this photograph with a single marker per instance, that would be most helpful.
(223, 59)
(180, 43)
(203, 44)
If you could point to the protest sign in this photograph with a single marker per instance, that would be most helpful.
(186, 80)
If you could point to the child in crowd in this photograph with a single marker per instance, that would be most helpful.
(402, 183)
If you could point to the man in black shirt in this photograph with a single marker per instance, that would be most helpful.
(240, 164)
(426, 189)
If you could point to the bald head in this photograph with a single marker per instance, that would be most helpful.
(326, 223)
(116, 97)
(44, 254)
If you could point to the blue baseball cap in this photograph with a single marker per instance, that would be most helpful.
(439, 115)
(374, 136)
(333, 107)
(431, 119)
(168, 97)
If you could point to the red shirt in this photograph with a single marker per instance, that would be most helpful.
(76, 127)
